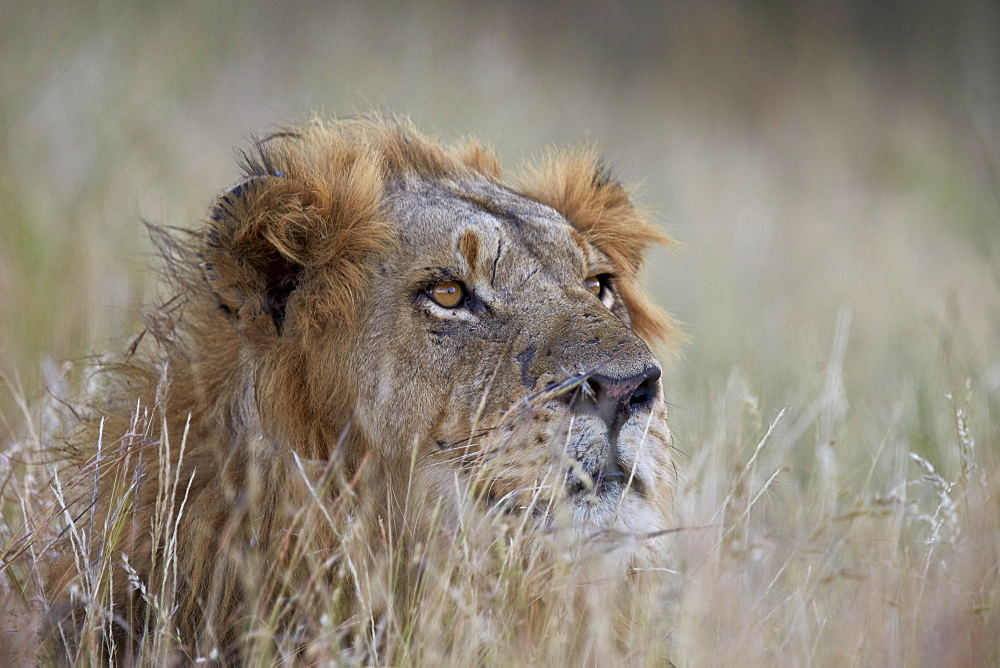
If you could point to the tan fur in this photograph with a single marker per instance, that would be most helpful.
(575, 184)
(330, 408)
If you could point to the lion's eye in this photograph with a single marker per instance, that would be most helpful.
(600, 285)
(594, 284)
(448, 294)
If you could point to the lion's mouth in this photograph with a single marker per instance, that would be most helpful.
(606, 485)
(611, 479)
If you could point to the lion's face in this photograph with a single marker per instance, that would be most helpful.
(498, 343)
(398, 295)
(376, 347)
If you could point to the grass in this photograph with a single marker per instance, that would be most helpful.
(837, 568)
(835, 414)
(765, 566)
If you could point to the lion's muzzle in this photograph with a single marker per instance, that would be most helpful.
(616, 398)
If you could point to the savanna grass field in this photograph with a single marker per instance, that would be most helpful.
(832, 171)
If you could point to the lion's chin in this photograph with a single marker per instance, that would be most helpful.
(613, 537)
(627, 518)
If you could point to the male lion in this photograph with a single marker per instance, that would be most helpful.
(378, 352)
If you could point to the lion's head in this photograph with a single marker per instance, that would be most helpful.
(408, 294)
(501, 340)
(395, 311)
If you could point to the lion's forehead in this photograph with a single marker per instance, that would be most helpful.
(487, 232)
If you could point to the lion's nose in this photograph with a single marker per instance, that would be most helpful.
(617, 398)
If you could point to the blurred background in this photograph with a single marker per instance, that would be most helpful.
(822, 163)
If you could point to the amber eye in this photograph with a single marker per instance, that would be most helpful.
(593, 284)
(448, 295)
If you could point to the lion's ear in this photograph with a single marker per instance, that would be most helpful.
(288, 247)
(580, 186)
(246, 257)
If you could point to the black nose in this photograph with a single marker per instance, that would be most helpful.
(618, 397)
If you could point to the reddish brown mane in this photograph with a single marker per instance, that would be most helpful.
(279, 266)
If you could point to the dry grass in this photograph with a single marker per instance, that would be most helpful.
(832, 173)
(765, 566)
(493, 588)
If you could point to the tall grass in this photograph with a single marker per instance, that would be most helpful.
(889, 562)
(492, 587)
(894, 563)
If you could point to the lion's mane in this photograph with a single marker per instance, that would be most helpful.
(229, 478)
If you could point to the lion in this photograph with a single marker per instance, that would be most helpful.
(373, 343)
